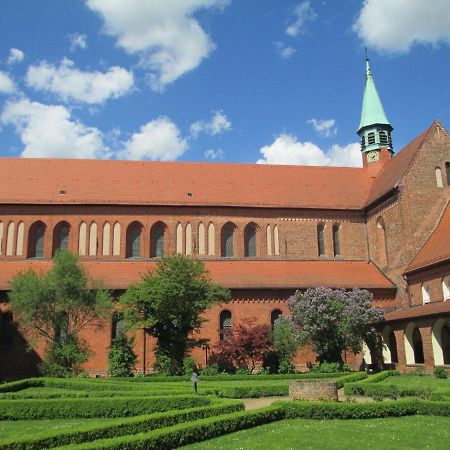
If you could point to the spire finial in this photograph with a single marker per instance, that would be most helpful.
(368, 72)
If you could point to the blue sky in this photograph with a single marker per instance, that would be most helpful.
(216, 80)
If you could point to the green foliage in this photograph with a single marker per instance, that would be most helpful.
(95, 407)
(440, 372)
(189, 365)
(165, 365)
(121, 357)
(56, 305)
(169, 302)
(210, 369)
(250, 391)
(327, 367)
(127, 426)
(285, 344)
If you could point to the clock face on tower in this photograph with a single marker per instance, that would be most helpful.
(373, 156)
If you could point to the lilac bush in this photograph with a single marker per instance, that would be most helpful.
(333, 320)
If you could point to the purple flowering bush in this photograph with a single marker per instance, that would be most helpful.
(333, 320)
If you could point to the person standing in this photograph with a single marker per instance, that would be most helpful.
(195, 379)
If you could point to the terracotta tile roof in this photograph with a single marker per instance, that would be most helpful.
(396, 168)
(419, 311)
(232, 274)
(437, 248)
(39, 181)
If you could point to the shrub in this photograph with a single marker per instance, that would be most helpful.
(189, 365)
(440, 372)
(211, 369)
(328, 367)
(121, 357)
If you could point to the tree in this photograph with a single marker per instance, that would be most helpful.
(168, 303)
(57, 305)
(121, 357)
(284, 343)
(246, 346)
(334, 320)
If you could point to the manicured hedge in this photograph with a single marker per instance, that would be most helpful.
(433, 408)
(15, 386)
(93, 407)
(250, 391)
(127, 426)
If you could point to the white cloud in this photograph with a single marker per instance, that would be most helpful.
(213, 154)
(394, 26)
(159, 139)
(69, 83)
(286, 149)
(165, 34)
(15, 56)
(6, 84)
(77, 41)
(50, 131)
(302, 14)
(218, 124)
(284, 50)
(324, 127)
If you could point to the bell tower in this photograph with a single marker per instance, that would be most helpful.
(374, 128)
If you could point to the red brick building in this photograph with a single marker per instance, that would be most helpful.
(263, 231)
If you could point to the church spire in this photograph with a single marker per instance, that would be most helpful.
(374, 128)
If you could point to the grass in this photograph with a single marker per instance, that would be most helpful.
(413, 381)
(13, 429)
(414, 432)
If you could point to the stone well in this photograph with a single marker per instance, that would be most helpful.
(313, 390)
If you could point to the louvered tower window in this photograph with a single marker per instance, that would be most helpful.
(371, 138)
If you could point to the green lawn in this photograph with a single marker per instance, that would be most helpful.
(414, 432)
(413, 381)
(13, 429)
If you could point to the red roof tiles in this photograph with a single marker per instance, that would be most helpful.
(418, 311)
(232, 274)
(437, 248)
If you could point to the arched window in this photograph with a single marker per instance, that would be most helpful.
(381, 243)
(36, 236)
(440, 339)
(336, 240)
(10, 239)
(61, 237)
(211, 239)
(418, 347)
(116, 239)
(117, 325)
(6, 329)
(93, 239)
(250, 240)
(438, 173)
(446, 288)
(225, 325)
(447, 171)
(20, 238)
(188, 233)
(201, 239)
(106, 240)
(321, 239)
(275, 315)
(389, 342)
(82, 239)
(426, 298)
(157, 240)
(276, 240)
(179, 236)
(227, 240)
(134, 232)
(269, 240)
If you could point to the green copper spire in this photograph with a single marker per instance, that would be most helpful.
(372, 109)
(374, 128)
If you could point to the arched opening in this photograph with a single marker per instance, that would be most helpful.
(36, 238)
(10, 239)
(269, 240)
(446, 288)
(93, 239)
(6, 329)
(116, 239)
(82, 239)
(426, 297)
(336, 240)
(188, 235)
(61, 234)
(157, 234)
(133, 242)
(225, 325)
(250, 234)
(413, 345)
(274, 316)
(117, 325)
(440, 340)
(211, 239)
(227, 241)
(447, 172)
(106, 239)
(381, 243)
(201, 239)
(367, 356)
(438, 174)
(321, 239)
(20, 239)
(179, 236)
(389, 343)
(276, 240)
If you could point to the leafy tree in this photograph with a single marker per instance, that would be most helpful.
(57, 305)
(284, 343)
(246, 346)
(334, 320)
(121, 357)
(168, 303)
